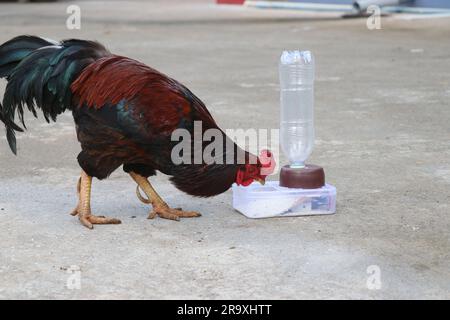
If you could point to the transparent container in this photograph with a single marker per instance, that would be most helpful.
(272, 200)
(296, 70)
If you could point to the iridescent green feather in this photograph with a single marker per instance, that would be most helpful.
(39, 74)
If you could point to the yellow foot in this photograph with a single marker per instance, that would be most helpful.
(172, 214)
(83, 209)
(88, 220)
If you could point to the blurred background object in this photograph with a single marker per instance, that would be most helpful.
(25, 1)
(398, 6)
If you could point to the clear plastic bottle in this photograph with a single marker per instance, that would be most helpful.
(297, 106)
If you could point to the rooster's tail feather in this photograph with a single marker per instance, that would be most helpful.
(39, 74)
(10, 131)
(14, 50)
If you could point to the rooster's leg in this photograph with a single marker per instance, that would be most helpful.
(160, 208)
(83, 209)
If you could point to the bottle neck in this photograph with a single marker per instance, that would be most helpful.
(297, 165)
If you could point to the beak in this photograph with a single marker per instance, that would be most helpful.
(260, 180)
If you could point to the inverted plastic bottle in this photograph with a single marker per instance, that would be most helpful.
(297, 106)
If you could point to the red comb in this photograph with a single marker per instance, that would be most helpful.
(267, 162)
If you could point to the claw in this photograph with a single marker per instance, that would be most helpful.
(89, 220)
(140, 197)
(172, 214)
(85, 222)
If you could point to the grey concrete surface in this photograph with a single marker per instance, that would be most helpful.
(382, 127)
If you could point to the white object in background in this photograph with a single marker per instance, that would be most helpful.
(271, 200)
(363, 5)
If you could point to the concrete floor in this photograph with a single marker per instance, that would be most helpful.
(382, 133)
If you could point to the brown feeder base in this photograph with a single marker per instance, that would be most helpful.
(309, 177)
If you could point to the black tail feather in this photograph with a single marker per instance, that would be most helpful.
(39, 74)
(14, 50)
(11, 136)
(10, 128)
(12, 53)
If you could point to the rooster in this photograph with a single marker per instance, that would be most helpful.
(125, 113)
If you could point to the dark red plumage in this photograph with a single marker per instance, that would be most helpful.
(112, 79)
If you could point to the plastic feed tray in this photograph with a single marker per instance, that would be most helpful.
(271, 200)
